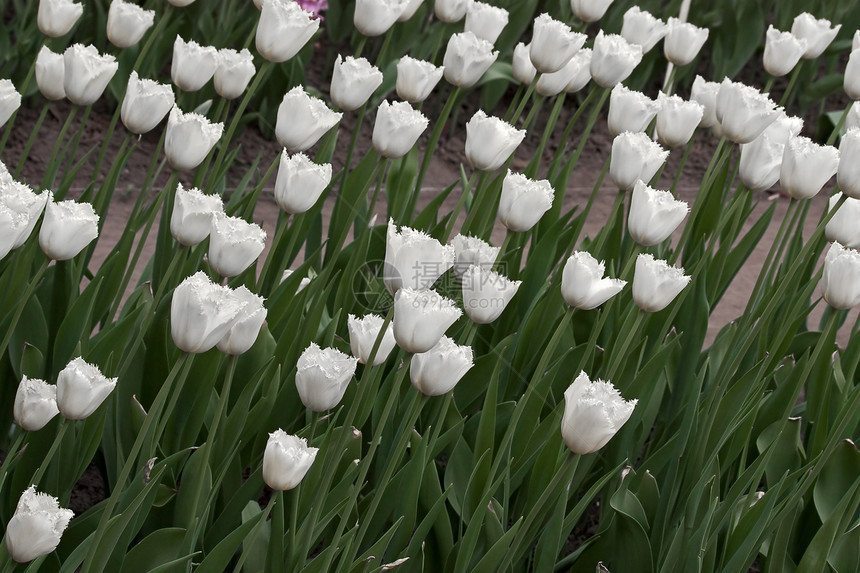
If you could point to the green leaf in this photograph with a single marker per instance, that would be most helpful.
(156, 549)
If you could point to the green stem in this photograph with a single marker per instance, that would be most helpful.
(765, 273)
(619, 354)
(434, 140)
(11, 453)
(470, 184)
(362, 42)
(50, 172)
(32, 139)
(791, 83)
(31, 287)
(515, 117)
(37, 477)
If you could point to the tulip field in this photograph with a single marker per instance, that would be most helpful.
(249, 324)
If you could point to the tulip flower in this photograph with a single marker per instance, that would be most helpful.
(782, 51)
(56, 17)
(234, 72)
(243, 334)
(20, 209)
(398, 127)
(593, 413)
(67, 228)
(683, 41)
(486, 294)
(437, 371)
(806, 167)
(286, 460)
(705, 93)
(193, 211)
(784, 128)
(10, 100)
(677, 119)
(583, 285)
(50, 70)
(363, 333)
(552, 84)
(180, 3)
(580, 63)
(322, 376)
(81, 389)
(283, 29)
(629, 110)
(634, 156)
(760, 163)
(467, 58)
(470, 251)
(145, 104)
(35, 404)
(300, 182)
(851, 78)
(413, 259)
(523, 201)
(848, 173)
(853, 119)
(421, 317)
(613, 59)
(450, 11)
(86, 73)
(374, 17)
(743, 111)
(416, 79)
(817, 33)
(409, 9)
(553, 44)
(302, 120)
(37, 525)
(353, 82)
(840, 280)
(202, 313)
(642, 28)
(656, 283)
(127, 23)
(302, 283)
(654, 215)
(234, 244)
(521, 64)
(189, 139)
(842, 228)
(590, 10)
(490, 141)
(485, 20)
(855, 40)
(193, 65)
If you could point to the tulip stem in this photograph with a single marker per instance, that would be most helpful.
(838, 127)
(499, 265)
(791, 83)
(619, 353)
(515, 117)
(347, 165)
(431, 144)
(362, 42)
(50, 172)
(22, 302)
(467, 190)
(765, 274)
(11, 453)
(40, 471)
(31, 140)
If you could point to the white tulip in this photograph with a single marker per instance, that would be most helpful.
(848, 173)
(677, 119)
(127, 23)
(20, 209)
(760, 163)
(553, 44)
(583, 285)
(416, 79)
(467, 58)
(522, 67)
(590, 10)
(840, 280)
(842, 228)
(36, 527)
(705, 93)
(629, 110)
(437, 371)
(397, 129)
(286, 460)
(374, 17)
(303, 283)
(470, 251)
(593, 413)
(784, 128)
(421, 317)
(683, 41)
(67, 228)
(81, 389)
(322, 376)
(642, 28)
(490, 141)
(202, 313)
(234, 72)
(581, 64)
(523, 201)
(656, 283)
(654, 215)
(409, 9)
(353, 82)
(613, 59)
(806, 167)
(485, 20)
(10, 100)
(817, 33)
(86, 73)
(363, 333)
(192, 215)
(193, 65)
(552, 84)
(50, 71)
(450, 11)
(189, 139)
(413, 259)
(56, 17)
(486, 294)
(853, 119)
(35, 404)
(782, 51)
(244, 331)
(283, 29)
(302, 120)
(300, 182)
(234, 244)
(145, 104)
(634, 156)
(743, 111)
(851, 77)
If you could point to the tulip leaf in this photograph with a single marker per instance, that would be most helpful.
(836, 479)
(156, 549)
(814, 559)
(76, 326)
(218, 558)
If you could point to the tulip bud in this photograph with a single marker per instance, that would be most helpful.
(855, 40)
(421, 317)
(705, 93)
(322, 376)
(593, 413)
(590, 10)
(784, 128)
(127, 23)
(81, 389)
(416, 79)
(437, 371)
(486, 294)
(50, 69)
(180, 3)
(656, 284)
(782, 51)
(302, 120)
(521, 64)
(613, 59)
(10, 101)
(806, 167)
(398, 127)
(683, 41)
(192, 215)
(300, 182)
(234, 244)
(353, 82)
(523, 201)
(853, 119)
(553, 44)
(842, 228)
(743, 111)
(677, 119)
(286, 460)
(67, 228)
(642, 28)
(302, 283)
(234, 72)
(35, 404)
(202, 313)
(56, 17)
(583, 285)
(467, 58)
(450, 11)
(409, 9)
(470, 251)
(817, 33)
(145, 104)
(490, 141)
(283, 29)
(243, 334)
(20, 208)
(848, 173)
(760, 163)
(580, 63)
(193, 65)
(851, 78)
(629, 110)
(485, 20)
(37, 525)
(363, 333)
(634, 156)
(86, 73)
(189, 139)
(374, 17)
(654, 215)
(552, 84)
(840, 281)
(413, 259)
